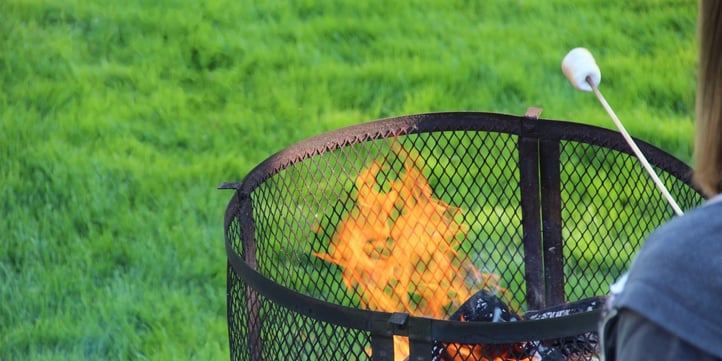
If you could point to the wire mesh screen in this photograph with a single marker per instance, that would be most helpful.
(346, 246)
(609, 206)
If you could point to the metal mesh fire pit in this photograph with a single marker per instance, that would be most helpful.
(445, 236)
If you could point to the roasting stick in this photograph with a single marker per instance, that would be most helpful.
(636, 149)
(582, 71)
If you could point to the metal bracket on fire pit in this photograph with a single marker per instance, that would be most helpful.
(230, 185)
(398, 319)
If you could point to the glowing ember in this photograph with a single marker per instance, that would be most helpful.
(398, 247)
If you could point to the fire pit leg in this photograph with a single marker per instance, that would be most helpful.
(382, 335)
(253, 301)
(531, 216)
(550, 174)
(255, 344)
(420, 344)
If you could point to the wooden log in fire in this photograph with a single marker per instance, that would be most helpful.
(485, 306)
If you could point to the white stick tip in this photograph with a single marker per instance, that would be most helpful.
(579, 64)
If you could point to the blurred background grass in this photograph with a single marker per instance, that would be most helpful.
(119, 119)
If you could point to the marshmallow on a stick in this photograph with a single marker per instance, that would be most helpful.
(578, 65)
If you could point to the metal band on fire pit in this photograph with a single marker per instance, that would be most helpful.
(421, 328)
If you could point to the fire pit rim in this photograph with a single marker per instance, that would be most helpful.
(542, 128)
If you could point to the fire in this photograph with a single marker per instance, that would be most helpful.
(398, 246)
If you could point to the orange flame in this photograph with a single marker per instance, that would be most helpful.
(398, 247)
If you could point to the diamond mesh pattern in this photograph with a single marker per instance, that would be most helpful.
(608, 206)
(297, 211)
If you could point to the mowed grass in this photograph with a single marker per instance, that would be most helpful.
(119, 119)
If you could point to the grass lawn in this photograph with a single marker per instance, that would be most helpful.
(119, 119)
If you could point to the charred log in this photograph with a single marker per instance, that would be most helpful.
(485, 306)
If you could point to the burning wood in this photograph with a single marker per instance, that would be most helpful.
(483, 306)
(487, 307)
(580, 347)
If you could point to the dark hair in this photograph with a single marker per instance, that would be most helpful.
(708, 138)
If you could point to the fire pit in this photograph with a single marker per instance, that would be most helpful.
(445, 236)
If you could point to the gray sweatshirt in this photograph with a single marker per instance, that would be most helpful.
(675, 280)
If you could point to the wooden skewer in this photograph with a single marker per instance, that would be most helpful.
(635, 149)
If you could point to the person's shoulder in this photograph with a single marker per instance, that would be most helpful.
(671, 280)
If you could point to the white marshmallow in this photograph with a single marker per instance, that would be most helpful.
(578, 65)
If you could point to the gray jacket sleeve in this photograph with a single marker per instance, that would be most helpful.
(637, 338)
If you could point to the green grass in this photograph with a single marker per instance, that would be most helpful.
(119, 119)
